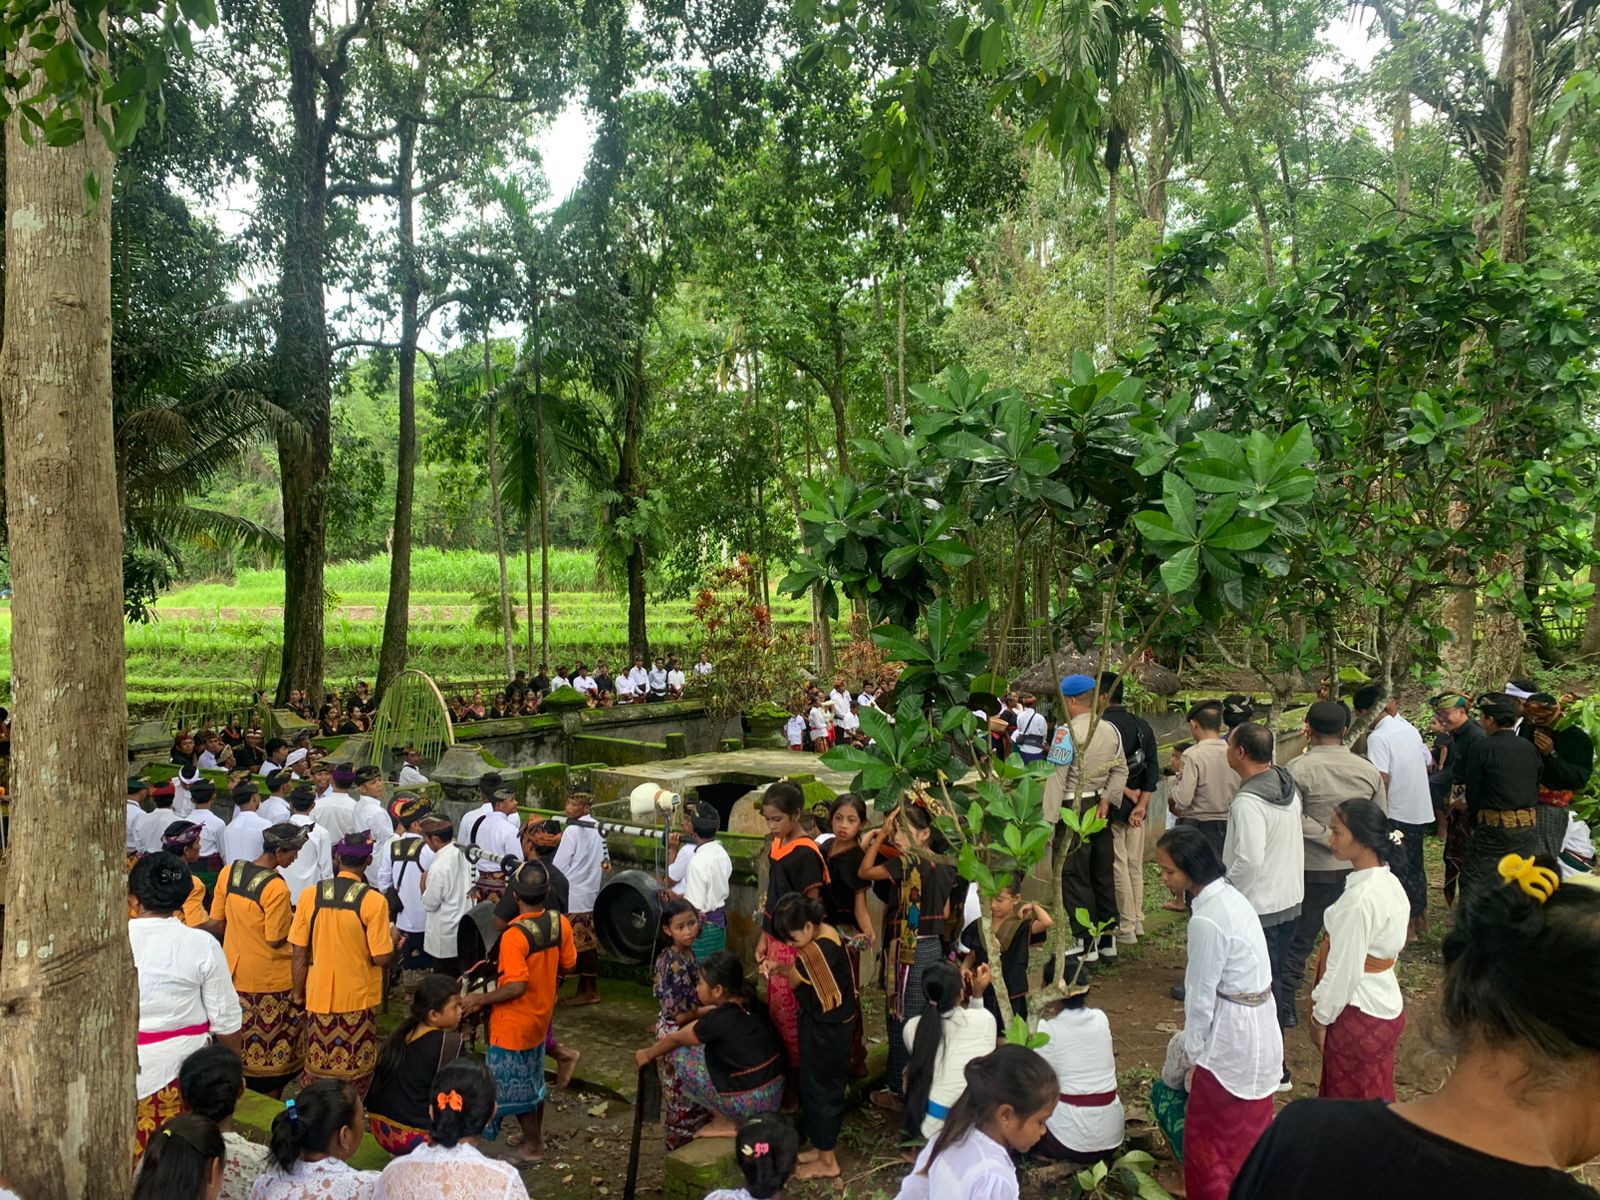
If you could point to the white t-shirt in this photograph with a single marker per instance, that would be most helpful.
(581, 858)
(275, 809)
(446, 900)
(708, 879)
(1080, 1050)
(584, 683)
(559, 681)
(313, 864)
(821, 724)
(969, 1032)
(335, 812)
(841, 703)
(625, 687)
(675, 679)
(213, 831)
(796, 730)
(1396, 748)
(409, 776)
(184, 983)
(658, 679)
(702, 667)
(151, 825)
(244, 836)
(639, 677)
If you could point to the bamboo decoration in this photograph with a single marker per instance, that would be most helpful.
(411, 713)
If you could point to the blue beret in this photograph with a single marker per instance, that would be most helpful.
(1077, 685)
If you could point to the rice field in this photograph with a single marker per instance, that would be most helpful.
(217, 630)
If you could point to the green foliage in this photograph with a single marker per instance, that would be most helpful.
(1129, 1173)
(411, 713)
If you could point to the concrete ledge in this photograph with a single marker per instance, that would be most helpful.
(254, 1116)
(694, 1171)
(617, 751)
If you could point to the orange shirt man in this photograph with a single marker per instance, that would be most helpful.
(251, 909)
(341, 945)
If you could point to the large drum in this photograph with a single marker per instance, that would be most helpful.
(627, 917)
(477, 938)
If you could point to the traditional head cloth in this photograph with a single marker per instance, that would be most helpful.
(1498, 707)
(436, 825)
(1077, 685)
(704, 819)
(241, 792)
(1328, 717)
(178, 835)
(294, 757)
(531, 881)
(501, 795)
(1237, 709)
(202, 791)
(407, 809)
(136, 784)
(367, 774)
(489, 782)
(303, 797)
(355, 844)
(164, 790)
(1445, 701)
(284, 836)
(343, 775)
(583, 798)
(1519, 689)
(189, 776)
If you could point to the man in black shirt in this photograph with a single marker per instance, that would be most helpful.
(1128, 818)
(1453, 709)
(1500, 774)
(1566, 762)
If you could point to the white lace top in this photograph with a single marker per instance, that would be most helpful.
(459, 1172)
(245, 1160)
(325, 1179)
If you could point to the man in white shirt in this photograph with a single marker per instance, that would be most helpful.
(275, 808)
(151, 826)
(848, 725)
(402, 865)
(488, 784)
(371, 815)
(839, 699)
(819, 720)
(213, 830)
(446, 894)
(277, 752)
(411, 768)
(335, 811)
(560, 679)
(1032, 732)
(214, 754)
(675, 680)
(702, 668)
(866, 698)
(707, 880)
(795, 731)
(581, 857)
(496, 837)
(626, 692)
(582, 680)
(1264, 851)
(657, 677)
(639, 677)
(1396, 748)
(138, 793)
(314, 863)
(243, 841)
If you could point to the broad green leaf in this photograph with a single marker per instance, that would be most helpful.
(1180, 572)
(1158, 527)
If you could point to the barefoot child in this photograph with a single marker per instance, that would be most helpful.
(533, 951)
(729, 1058)
(765, 1152)
(796, 865)
(420, 1046)
(582, 858)
(824, 986)
(846, 902)
(1017, 927)
(677, 988)
(1009, 1096)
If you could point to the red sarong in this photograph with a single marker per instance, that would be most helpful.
(1219, 1131)
(1358, 1056)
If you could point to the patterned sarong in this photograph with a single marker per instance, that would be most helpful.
(583, 935)
(342, 1046)
(519, 1084)
(153, 1111)
(1358, 1056)
(781, 1004)
(907, 999)
(273, 1040)
(1167, 1106)
(394, 1136)
(1220, 1130)
(713, 935)
(695, 1076)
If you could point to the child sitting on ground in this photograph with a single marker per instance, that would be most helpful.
(677, 987)
(211, 1081)
(461, 1102)
(1007, 1099)
(729, 1058)
(1017, 926)
(942, 1040)
(421, 1045)
(582, 858)
(824, 986)
(765, 1152)
(1088, 1126)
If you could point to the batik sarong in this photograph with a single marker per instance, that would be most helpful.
(676, 976)
(394, 1136)
(518, 1081)
(272, 1039)
(583, 934)
(695, 1073)
(1358, 1056)
(342, 1046)
(713, 934)
(781, 1004)
(154, 1110)
(1219, 1132)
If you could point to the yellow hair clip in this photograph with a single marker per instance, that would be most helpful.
(1536, 881)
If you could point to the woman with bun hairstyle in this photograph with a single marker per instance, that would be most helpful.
(1357, 1012)
(313, 1140)
(186, 996)
(451, 1165)
(1518, 1109)
(183, 1161)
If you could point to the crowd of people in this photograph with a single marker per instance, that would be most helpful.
(264, 945)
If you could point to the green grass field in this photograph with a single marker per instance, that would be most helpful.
(217, 630)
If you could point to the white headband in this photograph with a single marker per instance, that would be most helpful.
(1516, 693)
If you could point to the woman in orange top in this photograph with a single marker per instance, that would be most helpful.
(533, 951)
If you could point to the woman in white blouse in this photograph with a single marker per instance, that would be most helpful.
(939, 1053)
(1230, 1045)
(450, 1166)
(1357, 1013)
(1088, 1124)
(186, 996)
(313, 1140)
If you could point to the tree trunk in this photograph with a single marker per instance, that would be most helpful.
(1458, 615)
(497, 510)
(899, 419)
(1242, 150)
(1519, 134)
(1590, 646)
(544, 545)
(841, 426)
(527, 570)
(303, 367)
(67, 987)
(397, 611)
(629, 486)
(1401, 129)
(1111, 263)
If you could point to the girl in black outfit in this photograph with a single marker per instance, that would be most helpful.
(796, 866)
(846, 901)
(419, 1048)
(824, 986)
(1521, 989)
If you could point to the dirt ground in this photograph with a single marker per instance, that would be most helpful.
(589, 1131)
